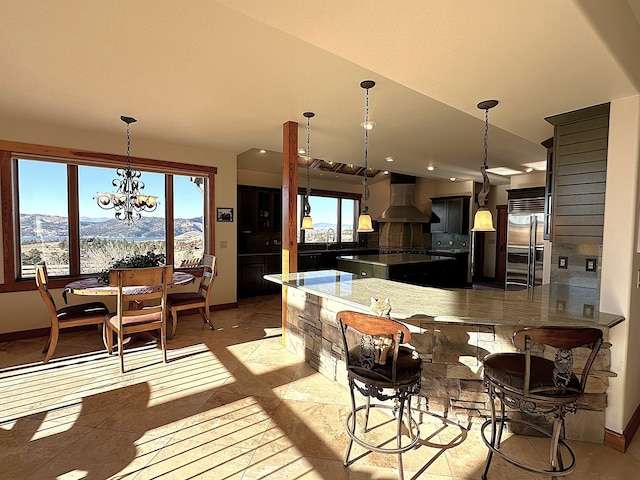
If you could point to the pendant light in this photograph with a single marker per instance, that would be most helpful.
(483, 221)
(307, 221)
(127, 201)
(364, 220)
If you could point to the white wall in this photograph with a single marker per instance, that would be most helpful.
(24, 310)
(621, 259)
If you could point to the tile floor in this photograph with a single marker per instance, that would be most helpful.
(230, 404)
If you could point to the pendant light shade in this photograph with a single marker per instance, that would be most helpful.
(307, 221)
(364, 223)
(364, 220)
(483, 221)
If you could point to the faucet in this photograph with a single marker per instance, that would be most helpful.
(331, 236)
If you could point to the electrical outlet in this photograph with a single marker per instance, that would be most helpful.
(587, 310)
(563, 262)
(223, 244)
(591, 264)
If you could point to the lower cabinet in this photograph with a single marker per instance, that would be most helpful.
(252, 269)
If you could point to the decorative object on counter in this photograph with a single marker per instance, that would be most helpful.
(224, 214)
(380, 307)
(379, 366)
(483, 221)
(538, 386)
(127, 201)
(364, 220)
(139, 260)
(307, 221)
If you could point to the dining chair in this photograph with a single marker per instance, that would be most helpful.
(141, 306)
(201, 299)
(72, 316)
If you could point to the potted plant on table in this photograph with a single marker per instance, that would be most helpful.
(138, 260)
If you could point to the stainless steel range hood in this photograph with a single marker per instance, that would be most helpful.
(402, 209)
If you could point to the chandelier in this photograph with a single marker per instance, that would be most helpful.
(483, 221)
(307, 221)
(364, 220)
(127, 201)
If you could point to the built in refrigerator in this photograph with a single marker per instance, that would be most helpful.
(525, 243)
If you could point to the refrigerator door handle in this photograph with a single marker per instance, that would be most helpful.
(532, 251)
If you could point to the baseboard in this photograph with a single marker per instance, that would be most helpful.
(43, 332)
(22, 334)
(620, 441)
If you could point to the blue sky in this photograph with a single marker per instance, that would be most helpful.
(39, 179)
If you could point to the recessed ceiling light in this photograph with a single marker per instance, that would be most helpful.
(389, 159)
(262, 150)
(431, 168)
(386, 172)
(529, 170)
(504, 171)
(453, 179)
(301, 151)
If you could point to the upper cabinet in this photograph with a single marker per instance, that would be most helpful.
(578, 175)
(259, 209)
(450, 215)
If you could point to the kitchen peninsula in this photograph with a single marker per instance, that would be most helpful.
(452, 331)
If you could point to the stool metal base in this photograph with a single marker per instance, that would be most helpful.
(495, 448)
(351, 424)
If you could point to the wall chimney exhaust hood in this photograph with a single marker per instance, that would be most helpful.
(402, 209)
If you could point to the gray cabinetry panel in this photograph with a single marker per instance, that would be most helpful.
(579, 175)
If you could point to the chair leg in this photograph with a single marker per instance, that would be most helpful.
(554, 455)
(351, 428)
(492, 400)
(174, 322)
(52, 342)
(366, 416)
(399, 436)
(121, 350)
(163, 343)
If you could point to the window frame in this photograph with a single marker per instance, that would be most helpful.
(338, 196)
(9, 151)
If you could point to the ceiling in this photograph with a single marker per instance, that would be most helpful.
(228, 74)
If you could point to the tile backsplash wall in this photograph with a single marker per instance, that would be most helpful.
(569, 265)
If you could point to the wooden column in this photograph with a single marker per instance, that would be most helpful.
(289, 210)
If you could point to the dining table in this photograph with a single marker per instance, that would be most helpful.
(94, 286)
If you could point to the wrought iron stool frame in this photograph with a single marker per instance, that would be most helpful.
(372, 383)
(552, 400)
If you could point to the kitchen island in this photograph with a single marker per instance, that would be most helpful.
(452, 331)
(402, 267)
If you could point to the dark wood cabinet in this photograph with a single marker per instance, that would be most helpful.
(259, 209)
(450, 215)
(251, 272)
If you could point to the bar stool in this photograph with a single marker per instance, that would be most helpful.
(379, 366)
(540, 386)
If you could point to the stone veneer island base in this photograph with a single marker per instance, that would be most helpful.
(452, 330)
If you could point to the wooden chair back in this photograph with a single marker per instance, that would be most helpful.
(355, 325)
(563, 339)
(42, 279)
(210, 265)
(137, 286)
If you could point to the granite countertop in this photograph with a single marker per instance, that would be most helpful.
(543, 305)
(394, 259)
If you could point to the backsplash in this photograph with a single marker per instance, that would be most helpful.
(569, 265)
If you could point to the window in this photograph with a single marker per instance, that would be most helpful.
(43, 223)
(334, 217)
(57, 219)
